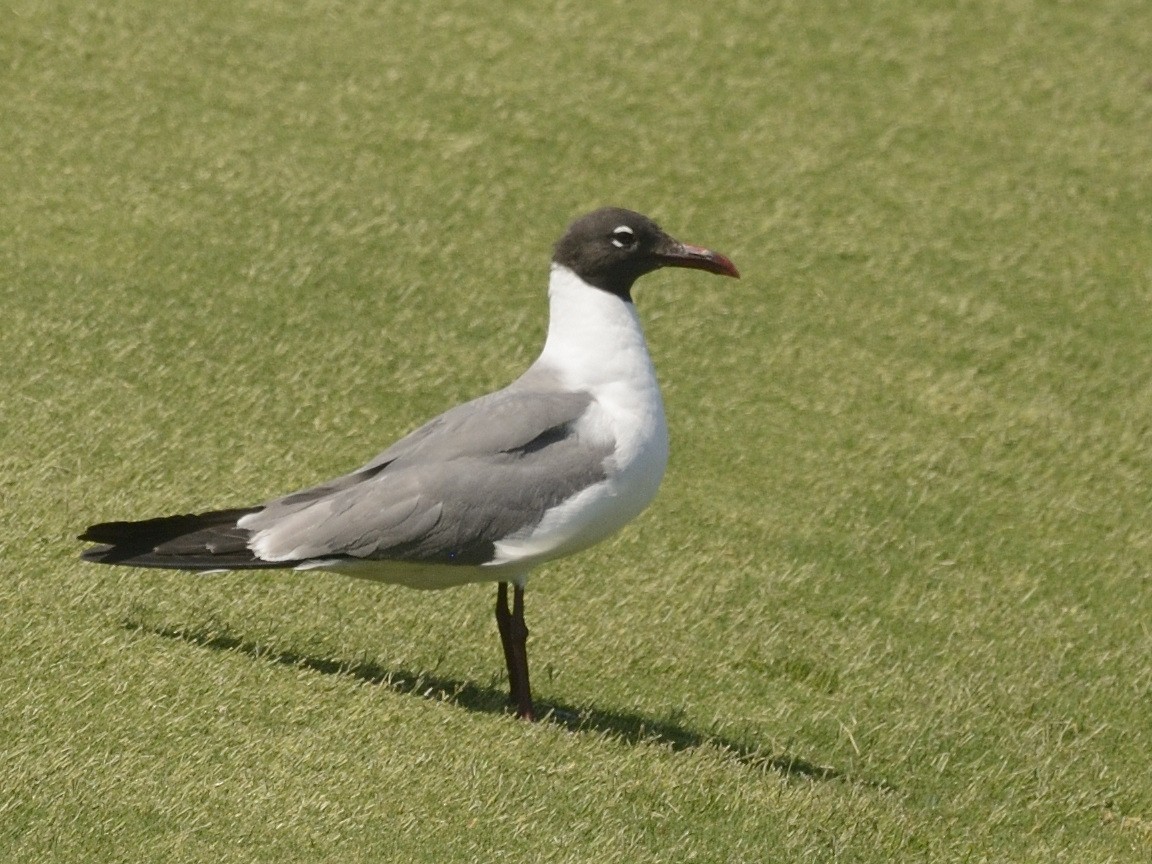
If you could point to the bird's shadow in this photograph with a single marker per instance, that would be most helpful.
(626, 726)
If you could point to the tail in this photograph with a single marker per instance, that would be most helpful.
(200, 541)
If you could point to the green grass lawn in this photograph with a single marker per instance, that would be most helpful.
(894, 602)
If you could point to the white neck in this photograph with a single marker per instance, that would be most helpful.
(594, 337)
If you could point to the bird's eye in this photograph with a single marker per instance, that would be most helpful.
(623, 237)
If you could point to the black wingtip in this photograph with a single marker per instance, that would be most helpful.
(189, 541)
(163, 529)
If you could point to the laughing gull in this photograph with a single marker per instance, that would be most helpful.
(558, 460)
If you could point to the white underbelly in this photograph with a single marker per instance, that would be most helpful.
(602, 509)
(415, 575)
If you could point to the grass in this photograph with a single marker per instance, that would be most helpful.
(893, 602)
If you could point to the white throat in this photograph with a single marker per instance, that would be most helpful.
(594, 337)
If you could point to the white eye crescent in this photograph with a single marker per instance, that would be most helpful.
(623, 236)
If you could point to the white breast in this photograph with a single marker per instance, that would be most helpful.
(595, 343)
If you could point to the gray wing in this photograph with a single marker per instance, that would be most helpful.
(447, 492)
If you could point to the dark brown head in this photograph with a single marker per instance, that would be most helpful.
(611, 248)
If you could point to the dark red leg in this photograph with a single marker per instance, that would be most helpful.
(504, 625)
(514, 638)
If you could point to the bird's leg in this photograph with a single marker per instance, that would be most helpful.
(524, 708)
(504, 625)
(514, 638)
